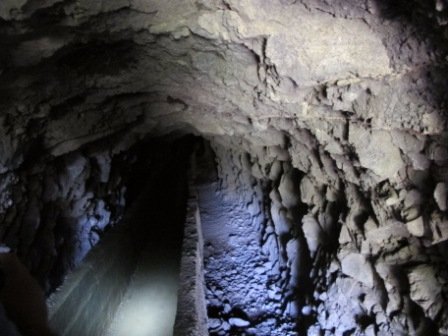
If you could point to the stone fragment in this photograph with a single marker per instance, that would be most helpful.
(425, 290)
(344, 292)
(329, 166)
(309, 193)
(282, 223)
(289, 188)
(256, 171)
(370, 225)
(313, 233)
(269, 247)
(387, 237)
(419, 161)
(406, 141)
(306, 310)
(440, 196)
(238, 322)
(275, 171)
(344, 236)
(104, 165)
(439, 229)
(314, 330)
(370, 330)
(413, 198)
(416, 227)
(359, 268)
(4, 249)
(439, 154)
(293, 253)
(392, 286)
(392, 199)
(214, 323)
(225, 326)
(292, 310)
(275, 197)
(279, 153)
(376, 151)
(404, 255)
(412, 205)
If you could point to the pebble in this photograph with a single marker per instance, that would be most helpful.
(307, 310)
(238, 322)
(214, 323)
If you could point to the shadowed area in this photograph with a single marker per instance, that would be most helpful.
(128, 284)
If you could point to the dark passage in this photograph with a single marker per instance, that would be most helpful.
(128, 283)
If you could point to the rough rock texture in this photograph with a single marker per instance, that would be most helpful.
(245, 290)
(127, 285)
(191, 317)
(342, 103)
(54, 211)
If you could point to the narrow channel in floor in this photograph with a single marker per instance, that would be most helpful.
(128, 284)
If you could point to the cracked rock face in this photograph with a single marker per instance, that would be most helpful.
(337, 107)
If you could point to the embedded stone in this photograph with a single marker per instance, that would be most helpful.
(440, 196)
(388, 237)
(416, 227)
(425, 290)
(289, 189)
(376, 151)
(359, 268)
(238, 322)
(313, 233)
(344, 236)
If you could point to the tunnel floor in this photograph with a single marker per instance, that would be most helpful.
(243, 288)
(128, 284)
(149, 305)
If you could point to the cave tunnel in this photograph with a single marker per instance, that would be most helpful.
(223, 167)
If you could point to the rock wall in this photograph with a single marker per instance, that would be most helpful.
(245, 283)
(54, 210)
(128, 282)
(191, 317)
(360, 257)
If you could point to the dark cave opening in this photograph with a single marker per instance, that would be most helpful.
(144, 252)
(254, 263)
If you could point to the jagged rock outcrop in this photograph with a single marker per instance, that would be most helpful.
(339, 107)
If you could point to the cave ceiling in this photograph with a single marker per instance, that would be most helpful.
(355, 75)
